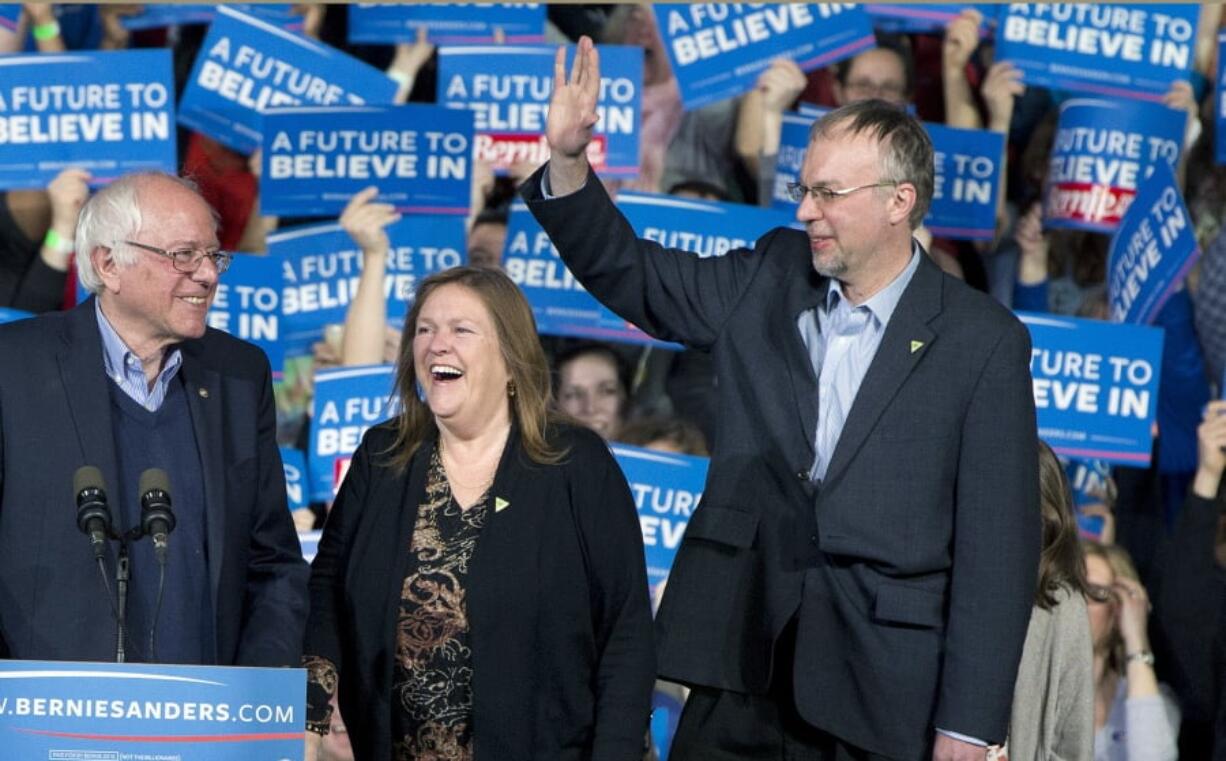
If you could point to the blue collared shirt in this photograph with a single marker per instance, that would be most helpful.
(125, 369)
(842, 340)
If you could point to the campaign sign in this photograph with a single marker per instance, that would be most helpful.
(314, 160)
(1152, 251)
(12, 315)
(1115, 49)
(1103, 149)
(10, 13)
(159, 15)
(293, 462)
(107, 112)
(247, 64)
(508, 87)
(966, 182)
(321, 267)
(447, 24)
(1095, 386)
(793, 144)
(63, 710)
(563, 307)
(1219, 121)
(666, 489)
(1089, 482)
(925, 18)
(247, 304)
(348, 401)
(309, 542)
(717, 50)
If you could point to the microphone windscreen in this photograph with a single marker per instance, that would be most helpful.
(154, 478)
(87, 477)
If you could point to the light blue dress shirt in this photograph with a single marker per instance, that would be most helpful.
(125, 369)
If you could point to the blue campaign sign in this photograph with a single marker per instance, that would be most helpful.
(247, 64)
(9, 15)
(793, 144)
(321, 266)
(666, 489)
(315, 159)
(12, 315)
(967, 182)
(563, 307)
(508, 87)
(61, 710)
(107, 112)
(447, 24)
(1152, 251)
(1219, 120)
(348, 401)
(717, 50)
(309, 542)
(1102, 150)
(925, 18)
(1112, 49)
(248, 304)
(1095, 386)
(293, 462)
(158, 15)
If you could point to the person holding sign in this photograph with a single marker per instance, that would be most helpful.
(858, 579)
(481, 581)
(128, 381)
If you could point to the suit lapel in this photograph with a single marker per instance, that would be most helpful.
(203, 388)
(83, 375)
(805, 293)
(906, 340)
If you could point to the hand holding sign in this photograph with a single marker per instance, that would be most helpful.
(365, 220)
(961, 39)
(572, 115)
(1211, 441)
(68, 193)
(1002, 84)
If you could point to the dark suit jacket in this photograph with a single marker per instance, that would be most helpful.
(55, 416)
(911, 568)
(560, 623)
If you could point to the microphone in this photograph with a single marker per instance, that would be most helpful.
(93, 515)
(156, 519)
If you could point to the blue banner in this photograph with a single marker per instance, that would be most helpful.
(1113, 49)
(925, 18)
(248, 304)
(563, 307)
(1089, 481)
(10, 13)
(110, 113)
(793, 144)
(12, 315)
(508, 88)
(78, 711)
(314, 160)
(967, 182)
(1219, 121)
(158, 15)
(321, 266)
(1103, 149)
(1095, 386)
(666, 489)
(717, 50)
(348, 401)
(246, 65)
(1152, 251)
(293, 462)
(447, 24)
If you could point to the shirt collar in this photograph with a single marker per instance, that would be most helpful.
(882, 303)
(116, 356)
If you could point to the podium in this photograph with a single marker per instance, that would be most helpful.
(71, 711)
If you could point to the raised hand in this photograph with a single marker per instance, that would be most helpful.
(572, 115)
(364, 220)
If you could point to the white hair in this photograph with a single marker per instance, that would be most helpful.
(114, 214)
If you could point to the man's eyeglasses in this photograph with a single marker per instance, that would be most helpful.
(823, 195)
(187, 260)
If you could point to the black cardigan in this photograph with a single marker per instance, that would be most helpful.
(563, 660)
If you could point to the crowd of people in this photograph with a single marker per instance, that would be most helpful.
(898, 578)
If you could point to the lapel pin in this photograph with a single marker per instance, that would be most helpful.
(204, 392)
(915, 346)
(500, 504)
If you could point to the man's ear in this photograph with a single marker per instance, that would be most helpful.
(103, 259)
(902, 201)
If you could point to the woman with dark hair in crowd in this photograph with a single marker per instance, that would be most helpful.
(1135, 719)
(594, 387)
(1053, 699)
(480, 585)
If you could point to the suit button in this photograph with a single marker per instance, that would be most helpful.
(802, 475)
(813, 538)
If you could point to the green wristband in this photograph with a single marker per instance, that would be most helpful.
(47, 31)
(57, 242)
